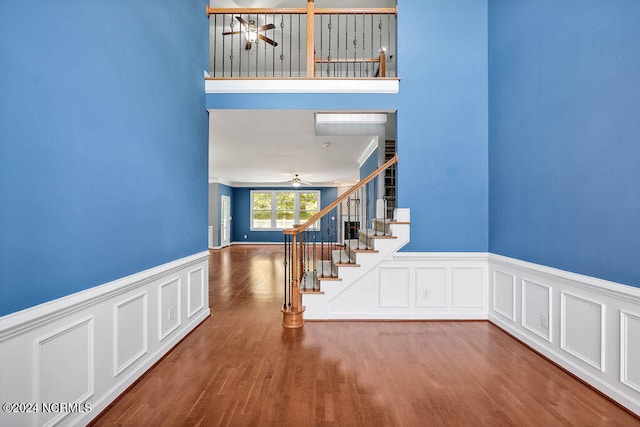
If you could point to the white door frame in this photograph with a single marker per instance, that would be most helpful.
(225, 221)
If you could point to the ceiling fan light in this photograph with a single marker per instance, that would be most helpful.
(295, 184)
(252, 31)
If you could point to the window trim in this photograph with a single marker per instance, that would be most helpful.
(274, 207)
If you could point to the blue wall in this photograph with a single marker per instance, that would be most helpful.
(241, 223)
(565, 153)
(442, 133)
(369, 165)
(443, 123)
(103, 152)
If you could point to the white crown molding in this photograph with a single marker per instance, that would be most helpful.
(373, 145)
(220, 181)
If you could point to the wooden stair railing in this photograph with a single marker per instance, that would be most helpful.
(313, 251)
(381, 69)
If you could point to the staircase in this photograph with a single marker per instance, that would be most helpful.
(336, 248)
(350, 264)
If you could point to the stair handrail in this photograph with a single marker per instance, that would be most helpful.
(302, 227)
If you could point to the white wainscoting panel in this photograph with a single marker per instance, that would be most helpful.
(88, 347)
(595, 322)
(504, 294)
(536, 309)
(130, 332)
(169, 308)
(582, 329)
(394, 287)
(407, 286)
(630, 350)
(196, 288)
(468, 289)
(62, 375)
(431, 287)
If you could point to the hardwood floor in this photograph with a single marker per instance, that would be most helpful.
(240, 367)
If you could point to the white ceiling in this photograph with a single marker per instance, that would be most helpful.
(268, 147)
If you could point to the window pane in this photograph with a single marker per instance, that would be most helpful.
(306, 215)
(285, 209)
(284, 219)
(262, 201)
(309, 206)
(309, 201)
(261, 210)
(285, 201)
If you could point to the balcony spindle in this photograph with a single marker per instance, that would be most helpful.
(358, 222)
(356, 61)
(316, 283)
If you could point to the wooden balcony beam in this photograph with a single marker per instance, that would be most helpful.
(301, 11)
(256, 11)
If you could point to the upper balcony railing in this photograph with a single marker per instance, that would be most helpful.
(302, 42)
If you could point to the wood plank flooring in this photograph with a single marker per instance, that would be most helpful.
(241, 368)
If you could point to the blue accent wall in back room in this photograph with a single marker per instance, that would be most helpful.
(103, 152)
(442, 135)
(564, 153)
(241, 224)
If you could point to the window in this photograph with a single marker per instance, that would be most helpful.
(276, 210)
(261, 210)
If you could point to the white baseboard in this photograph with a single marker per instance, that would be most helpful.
(590, 327)
(99, 340)
(257, 243)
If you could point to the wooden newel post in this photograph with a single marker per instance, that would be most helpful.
(295, 273)
(293, 318)
(311, 62)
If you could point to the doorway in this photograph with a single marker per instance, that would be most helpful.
(225, 221)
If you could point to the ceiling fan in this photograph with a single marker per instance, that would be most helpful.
(297, 182)
(253, 32)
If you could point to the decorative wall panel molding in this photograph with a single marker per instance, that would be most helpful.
(62, 375)
(169, 318)
(394, 287)
(431, 287)
(468, 287)
(130, 332)
(408, 285)
(582, 330)
(196, 288)
(596, 323)
(536, 309)
(630, 350)
(89, 347)
(504, 294)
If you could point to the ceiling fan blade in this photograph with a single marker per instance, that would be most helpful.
(268, 40)
(266, 27)
(232, 32)
(242, 21)
(248, 45)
